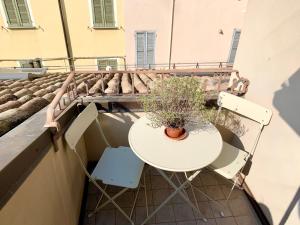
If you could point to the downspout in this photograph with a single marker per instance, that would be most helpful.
(63, 16)
(171, 41)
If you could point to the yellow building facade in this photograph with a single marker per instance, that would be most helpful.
(91, 32)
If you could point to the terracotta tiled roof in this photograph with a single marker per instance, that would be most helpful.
(19, 99)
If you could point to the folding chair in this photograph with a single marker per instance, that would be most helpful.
(117, 166)
(232, 161)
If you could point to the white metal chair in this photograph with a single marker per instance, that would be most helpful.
(231, 162)
(117, 166)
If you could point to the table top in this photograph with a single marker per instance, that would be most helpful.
(200, 148)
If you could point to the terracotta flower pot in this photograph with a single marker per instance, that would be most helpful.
(174, 132)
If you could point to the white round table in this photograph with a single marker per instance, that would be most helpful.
(200, 148)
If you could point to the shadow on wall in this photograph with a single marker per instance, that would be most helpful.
(267, 217)
(295, 201)
(287, 101)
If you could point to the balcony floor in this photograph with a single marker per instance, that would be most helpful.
(238, 211)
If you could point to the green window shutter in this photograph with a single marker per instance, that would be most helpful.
(113, 63)
(27, 64)
(103, 13)
(150, 47)
(37, 63)
(109, 13)
(234, 45)
(140, 49)
(17, 13)
(102, 63)
(98, 13)
(12, 18)
(23, 12)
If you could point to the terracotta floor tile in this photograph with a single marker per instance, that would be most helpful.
(177, 212)
(208, 179)
(141, 214)
(183, 212)
(209, 222)
(158, 182)
(161, 195)
(106, 217)
(187, 223)
(89, 220)
(126, 199)
(91, 201)
(246, 220)
(236, 193)
(197, 182)
(141, 200)
(198, 193)
(121, 219)
(165, 214)
(226, 221)
(215, 192)
(205, 209)
(221, 207)
(239, 207)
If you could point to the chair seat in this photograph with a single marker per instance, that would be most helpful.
(119, 167)
(230, 161)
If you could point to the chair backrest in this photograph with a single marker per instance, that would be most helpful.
(80, 124)
(245, 108)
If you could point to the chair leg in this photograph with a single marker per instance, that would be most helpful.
(110, 199)
(102, 190)
(180, 182)
(134, 202)
(100, 198)
(233, 186)
(145, 192)
(195, 199)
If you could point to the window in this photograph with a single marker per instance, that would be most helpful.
(145, 43)
(234, 45)
(35, 63)
(17, 13)
(103, 13)
(103, 63)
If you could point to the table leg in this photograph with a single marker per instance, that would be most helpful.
(178, 189)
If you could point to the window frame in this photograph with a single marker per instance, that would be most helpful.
(92, 17)
(154, 48)
(6, 19)
(107, 58)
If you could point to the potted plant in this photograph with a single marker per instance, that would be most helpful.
(175, 102)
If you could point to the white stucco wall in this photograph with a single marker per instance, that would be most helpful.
(268, 56)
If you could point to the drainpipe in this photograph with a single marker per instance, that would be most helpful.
(67, 37)
(171, 41)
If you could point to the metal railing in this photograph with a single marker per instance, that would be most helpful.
(68, 88)
(122, 66)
